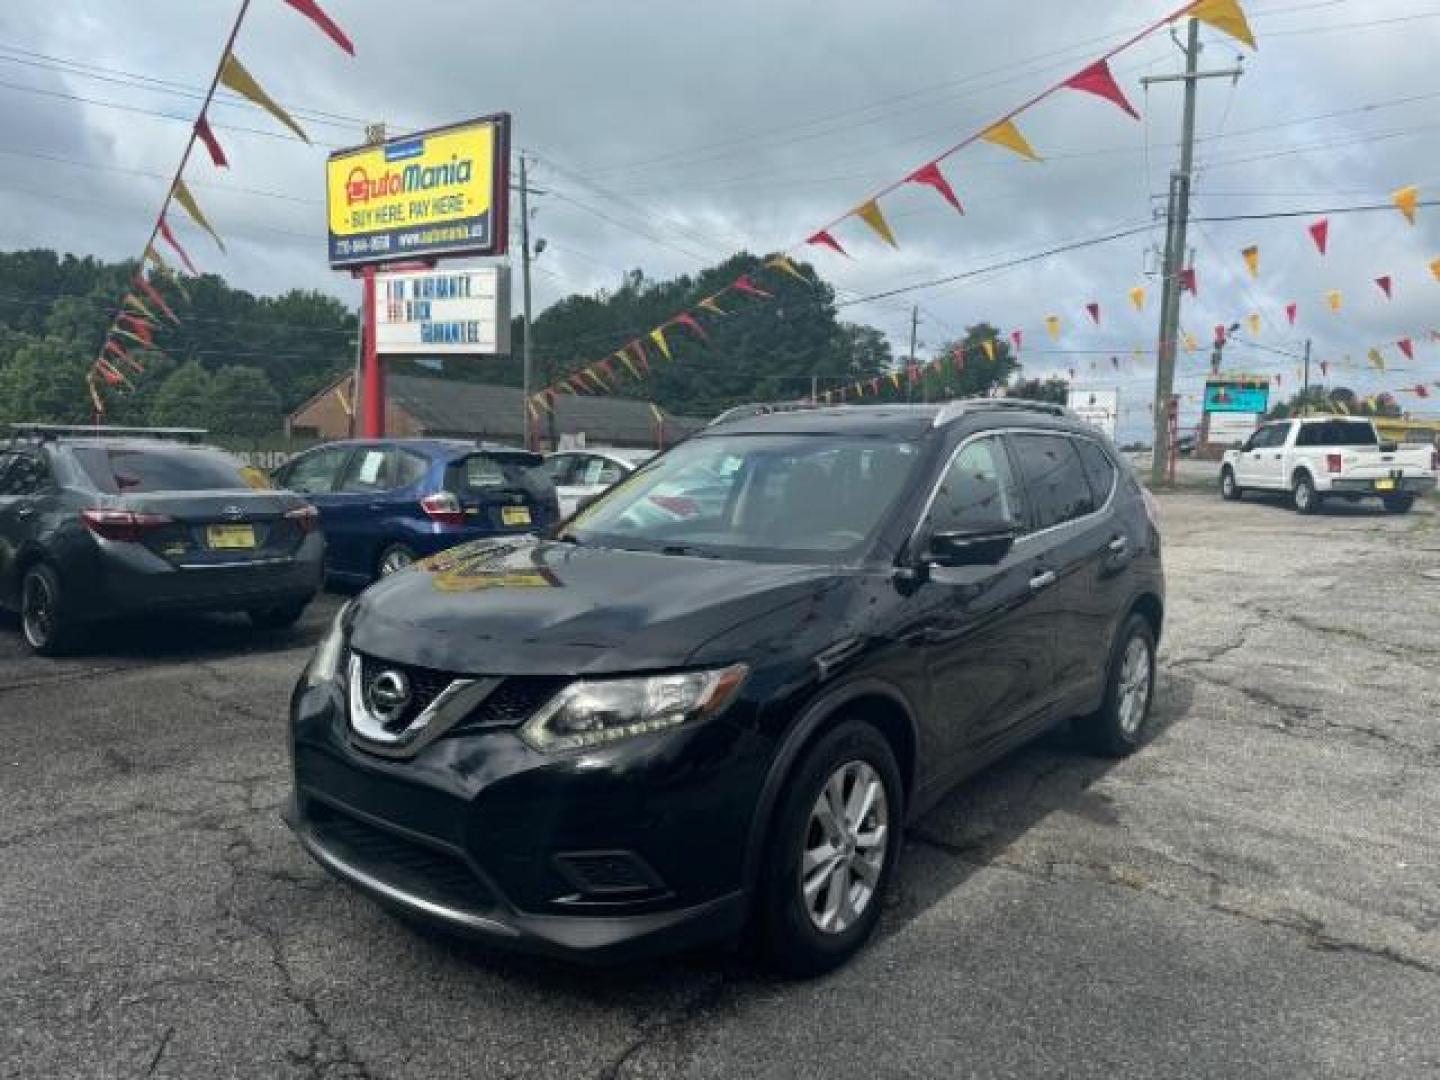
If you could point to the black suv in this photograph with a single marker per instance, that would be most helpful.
(100, 522)
(684, 715)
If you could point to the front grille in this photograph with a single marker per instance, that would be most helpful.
(426, 685)
(413, 868)
(513, 702)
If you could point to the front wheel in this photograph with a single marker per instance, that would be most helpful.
(1117, 728)
(1229, 489)
(1398, 504)
(47, 629)
(1303, 494)
(832, 851)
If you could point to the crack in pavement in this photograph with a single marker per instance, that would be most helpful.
(655, 1030)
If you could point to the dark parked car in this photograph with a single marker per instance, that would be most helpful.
(102, 522)
(647, 733)
(386, 502)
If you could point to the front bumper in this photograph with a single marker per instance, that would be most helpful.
(478, 832)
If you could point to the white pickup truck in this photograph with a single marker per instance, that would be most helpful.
(1321, 457)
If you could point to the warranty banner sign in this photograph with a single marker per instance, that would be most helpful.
(439, 192)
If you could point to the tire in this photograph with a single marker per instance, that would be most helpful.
(43, 622)
(1303, 495)
(1398, 504)
(392, 559)
(1118, 727)
(1230, 491)
(278, 618)
(853, 757)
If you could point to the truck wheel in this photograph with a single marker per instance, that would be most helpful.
(1303, 493)
(1229, 489)
(1398, 504)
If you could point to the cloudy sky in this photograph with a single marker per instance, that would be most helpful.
(667, 135)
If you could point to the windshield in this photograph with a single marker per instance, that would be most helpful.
(123, 470)
(766, 497)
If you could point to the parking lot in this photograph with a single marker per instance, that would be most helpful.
(1257, 893)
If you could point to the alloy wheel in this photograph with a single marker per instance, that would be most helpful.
(846, 841)
(1133, 696)
(37, 607)
(395, 560)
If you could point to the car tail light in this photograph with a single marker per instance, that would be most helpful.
(443, 507)
(306, 517)
(1334, 462)
(123, 525)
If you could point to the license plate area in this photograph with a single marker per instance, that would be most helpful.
(515, 515)
(1388, 484)
(230, 537)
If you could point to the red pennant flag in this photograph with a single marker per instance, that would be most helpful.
(933, 177)
(1290, 310)
(1407, 347)
(1384, 282)
(207, 136)
(1325, 368)
(958, 355)
(1096, 79)
(154, 294)
(1279, 379)
(113, 346)
(1187, 281)
(170, 239)
(1094, 309)
(139, 327)
(638, 347)
(1015, 336)
(745, 285)
(1421, 390)
(1320, 233)
(824, 239)
(311, 11)
(875, 386)
(109, 373)
(689, 321)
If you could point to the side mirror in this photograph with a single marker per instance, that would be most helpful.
(970, 548)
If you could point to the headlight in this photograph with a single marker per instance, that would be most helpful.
(589, 713)
(325, 664)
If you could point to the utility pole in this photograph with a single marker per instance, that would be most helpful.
(1305, 387)
(1177, 217)
(910, 368)
(525, 405)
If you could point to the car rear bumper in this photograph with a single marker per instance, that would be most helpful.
(136, 581)
(1408, 485)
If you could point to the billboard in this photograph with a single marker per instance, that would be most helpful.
(438, 192)
(443, 312)
(1231, 428)
(1237, 395)
(1098, 407)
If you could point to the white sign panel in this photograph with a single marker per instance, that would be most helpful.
(1098, 407)
(444, 312)
(1231, 428)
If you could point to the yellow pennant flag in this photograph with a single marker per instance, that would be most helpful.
(1339, 403)
(658, 336)
(1253, 321)
(1190, 343)
(870, 214)
(989, 346)
(1435, 268)
(785, 266)
(234, 75)
(712, 305)
(185, 199)
(1333, 299)
(1137, 354)
(1376, 360)
(1405, 200)
(1137, 297)
(1052, 326)
(895, 379)
(1225, 16)
(1006, 134)
(1251, 255)
(624, 357)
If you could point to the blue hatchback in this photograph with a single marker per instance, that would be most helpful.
(386, 502)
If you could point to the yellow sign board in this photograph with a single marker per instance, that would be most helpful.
(439, 192)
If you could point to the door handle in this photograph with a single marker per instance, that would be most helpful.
(1118, 545)
(1039, 581)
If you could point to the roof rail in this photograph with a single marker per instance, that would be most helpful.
(49, 432)
(761, 408)
(953, 410)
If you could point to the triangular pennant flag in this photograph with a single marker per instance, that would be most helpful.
(1406, 200)
(1253, 321)
(691, 323)
(134, 302)
(641, 355)
(745, 285)
(165, 270)
(1190, 343)
(1421, 390)
(95, 396)
(658, 336)
(207, 136)
(155, 297)
(933, 177)
(1406, 346)
(1017, 336)
(185, 199)
(1384, 282)
(1097, 79)
(1333, 299)
(895, 379)
(989, 348)
(1006, 134)
(234, 76)
(1052, 326)
(1187, 280)
(1290, 310)
(311, 11)
(1225, 16)
(164, 227)
(1377, 361)
(1094, 309)
(138, 328)
(824, 239)
(711, 305)
(869, 212)
(785, 266)
(1320, 233)
(624, 358)
(957, 354)
(1324, 368)
(1137, 297)
(108, 373)
(1251, 255)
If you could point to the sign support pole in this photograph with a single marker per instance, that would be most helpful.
(371, 372)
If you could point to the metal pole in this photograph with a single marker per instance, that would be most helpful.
(1179, 212)
(525, 279)
(1305, 389)
(910, 370)
(814, 389)
(374, 375)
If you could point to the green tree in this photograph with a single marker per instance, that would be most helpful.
(1339, 399)
(969, 370)
(1053, 389)
(44, 380)
(184, 398)
(243, 403)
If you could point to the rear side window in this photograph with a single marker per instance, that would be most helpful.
(1337, 433)
(123, 470)
(369, 470)
(410, 468)
(316, 472)
(1099, 469)
(1054, 479)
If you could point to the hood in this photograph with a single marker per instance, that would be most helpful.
(540, 608)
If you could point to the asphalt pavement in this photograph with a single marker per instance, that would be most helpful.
(1256, 893)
